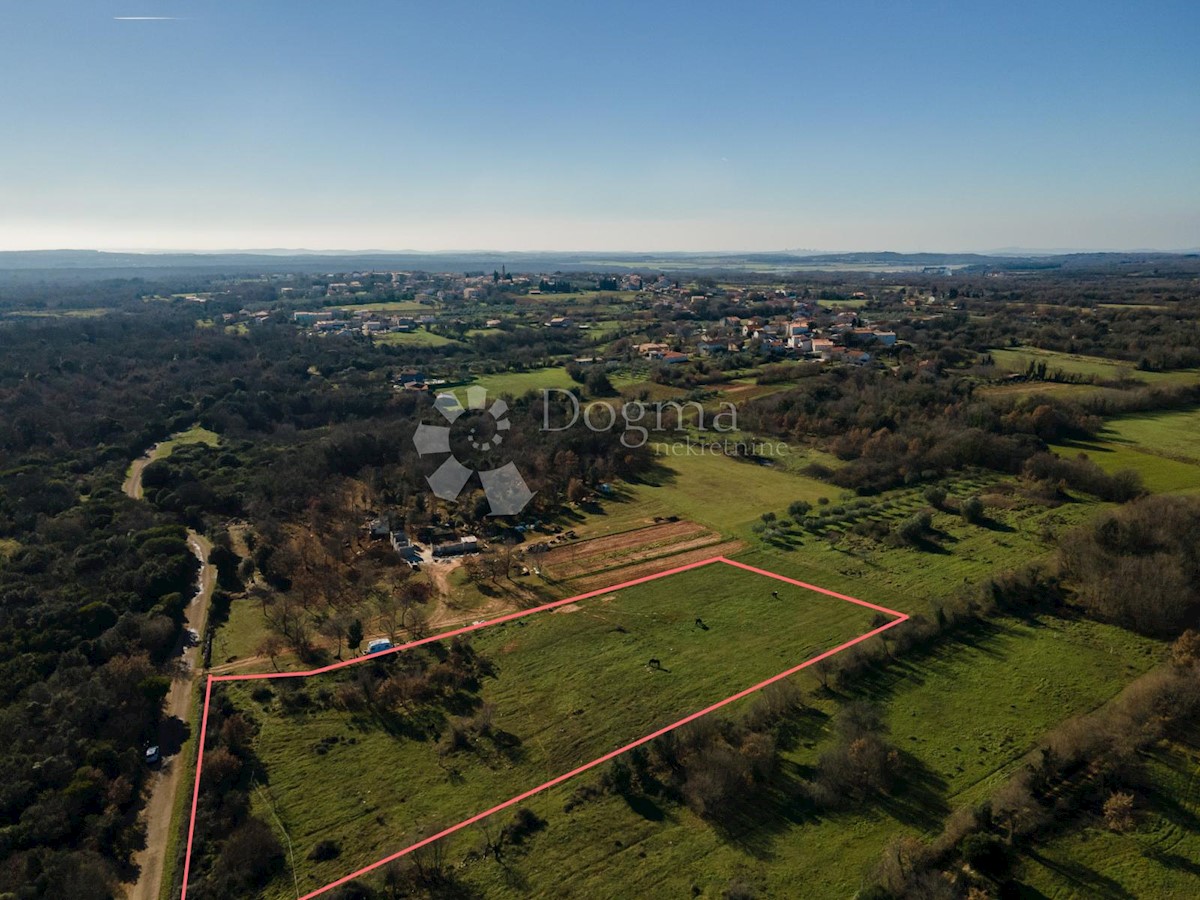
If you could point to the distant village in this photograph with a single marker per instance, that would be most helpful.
(426, 309)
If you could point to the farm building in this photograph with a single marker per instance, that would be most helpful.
(467, 544)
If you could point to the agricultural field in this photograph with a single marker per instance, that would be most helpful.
(390, 306)
(580, 298)
(91, 312)
(639, 551)
(563, 687)
(721, 492)
(1018, 359)
(517, 384)
(1161, 447)
(957, 735)
(421, 338)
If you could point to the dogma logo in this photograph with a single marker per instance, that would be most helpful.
(505, 488)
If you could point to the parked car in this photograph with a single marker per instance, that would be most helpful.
(153, 755)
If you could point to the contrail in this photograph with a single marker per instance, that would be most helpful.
(147, 18)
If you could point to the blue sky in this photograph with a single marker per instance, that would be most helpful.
(620, 125)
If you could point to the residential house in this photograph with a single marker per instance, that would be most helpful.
(652, 350)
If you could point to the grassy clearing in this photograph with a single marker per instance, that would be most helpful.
(1156, 859)
(89, 313)
(1171, 434)
(517, 384)
(197, 434)
(1161, 446)
(856, 303)
(570, 685)
(391, 306)
(414, 339)
(1047, 388)
(597, 298)
(1018, 360)
(241, 634)
(8, 547)
(719, 491)
(1159, 474)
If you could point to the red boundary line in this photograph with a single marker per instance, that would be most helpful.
(899, 617)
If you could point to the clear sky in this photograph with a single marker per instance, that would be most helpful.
(572, 124)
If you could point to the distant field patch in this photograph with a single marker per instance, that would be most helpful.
(1018, 360)
(598, 298)
(390, 306)
(1162, 447)
(723, 492)
(420, 338)
(517, 384)
(197, 434)
(89, 313)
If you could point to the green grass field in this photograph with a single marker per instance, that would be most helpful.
(392, 306)
(517, 384)
(959, 738)
(1161, 446)
(419, 338)
(724, 493)
(570, 685)
(582, 297)
(197, 434)
(91, 312)
(1018, 359)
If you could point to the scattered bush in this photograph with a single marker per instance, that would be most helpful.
(325, 850)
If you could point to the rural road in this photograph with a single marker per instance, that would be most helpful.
(165, 783)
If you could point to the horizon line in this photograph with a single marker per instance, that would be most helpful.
(797, 252)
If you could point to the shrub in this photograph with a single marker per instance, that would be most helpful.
(985, 853)
(325, 850)
(972, 510)
(524, 824)
(798, 509)
(1118, 811)
(935, 496)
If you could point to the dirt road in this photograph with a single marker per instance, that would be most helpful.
(133, 480)
(165, 784)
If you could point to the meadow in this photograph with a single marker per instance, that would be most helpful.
(389, 306)
(569, 685)
(517, 384)
(958, 735)
(1017, 360)
(1161, 447)
(421, 338)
